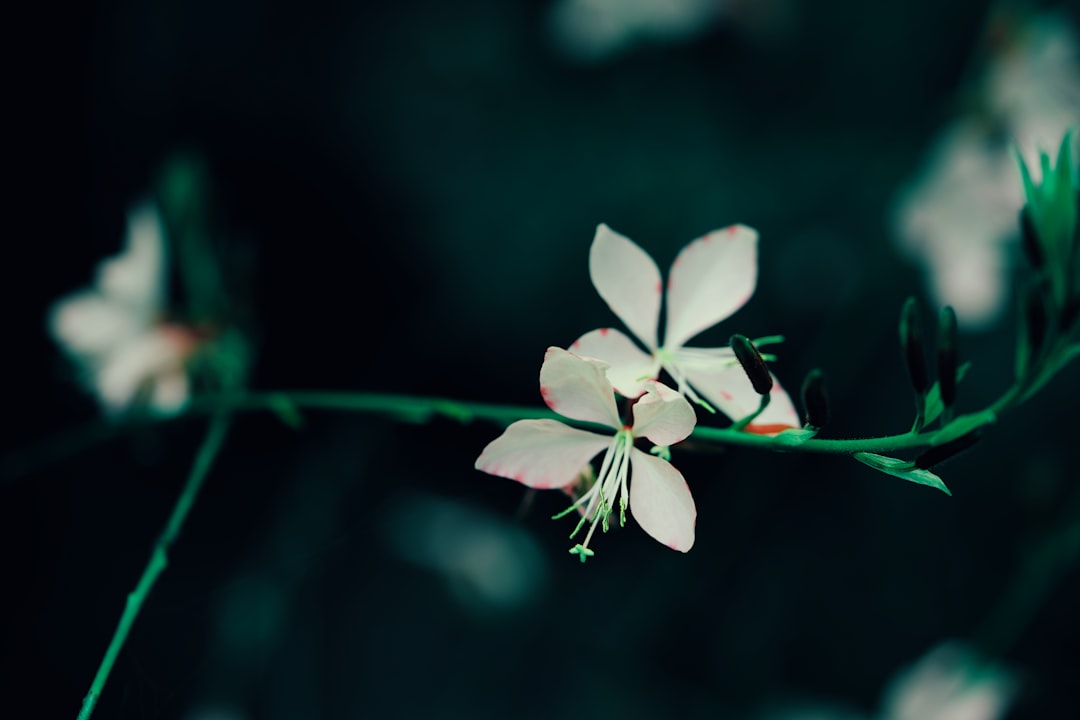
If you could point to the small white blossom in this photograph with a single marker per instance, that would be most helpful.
(115, 331)
(711, 278)
(549, 454)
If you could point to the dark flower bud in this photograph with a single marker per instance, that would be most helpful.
(940, 453)
(1029, 240)
(1035, 316)
(911, 340)
(752, 364)
(815, 402)
(946, 355)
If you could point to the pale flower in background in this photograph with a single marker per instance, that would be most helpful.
(591, 30)
(951, 682)
(487, 562)
(710, 279)
(548, 454)
(115, 332)
(960, 215)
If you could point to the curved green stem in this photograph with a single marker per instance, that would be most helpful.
(159, 558)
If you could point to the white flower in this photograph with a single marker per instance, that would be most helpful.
(949, 683)
(711, 278)
(596, 29)
(959, 216)
(549, 454)
(114, 331)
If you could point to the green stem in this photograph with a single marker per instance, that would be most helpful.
(209, 449)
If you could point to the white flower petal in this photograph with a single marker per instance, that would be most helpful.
(170, 391)
(628, 281)
(136, 363)
(663, 415)
(661, 502)
(541, 453)
(137, 275)
(950, 683)
(710, 279)
(88, 323)
(578, 388)
(628, 366)
(729, 390)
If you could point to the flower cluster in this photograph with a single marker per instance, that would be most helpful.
(710, 279)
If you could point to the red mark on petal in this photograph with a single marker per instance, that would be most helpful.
(731, 230)
(575, 344)
(520, 477)
(726, 395)
(768, 428)
(659, 287)
(604, 332)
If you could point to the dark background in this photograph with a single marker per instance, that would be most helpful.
(414, 187)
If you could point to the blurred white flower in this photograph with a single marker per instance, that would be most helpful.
(959, 216)
(951, 682)
(487, 562)
(591, 30)
(114, 331)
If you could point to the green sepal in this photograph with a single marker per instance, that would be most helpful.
(795, 436)
(903, 469)
(962, 426)
(934, 405)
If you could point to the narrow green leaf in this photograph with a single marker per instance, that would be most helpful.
(903, 469)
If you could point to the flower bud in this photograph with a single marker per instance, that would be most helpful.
(946, 355)
(1035, 317)
(911, 340)
(752, 364)
(815, 402)
(940, 453)
(1029, 238)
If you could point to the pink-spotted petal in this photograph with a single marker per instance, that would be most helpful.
(661, 502)
(728, 389)
(628, 281)
(663, 415)
(578, 388)
(710, 279)
(628, 366)
(541, 453)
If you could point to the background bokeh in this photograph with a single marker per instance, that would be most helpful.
(412, 189)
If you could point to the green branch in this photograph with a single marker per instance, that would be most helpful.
(159, 559)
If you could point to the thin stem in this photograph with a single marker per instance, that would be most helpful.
(209, 449)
